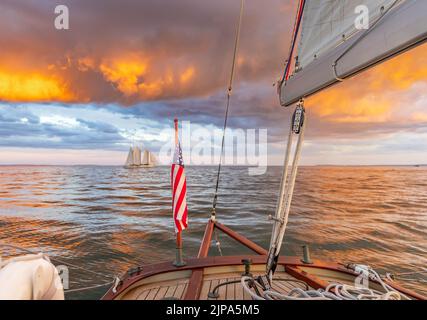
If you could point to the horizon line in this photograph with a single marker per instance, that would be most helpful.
(215, 165)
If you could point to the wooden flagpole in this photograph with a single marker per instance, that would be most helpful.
(179, 262)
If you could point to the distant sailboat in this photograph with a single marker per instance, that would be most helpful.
(134, 159)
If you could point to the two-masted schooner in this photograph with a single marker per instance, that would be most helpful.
(134, 159)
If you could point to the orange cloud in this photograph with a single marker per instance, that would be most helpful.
(143, 78)
(32, 86)
(125, 73)
(187, 75)
(371, 97)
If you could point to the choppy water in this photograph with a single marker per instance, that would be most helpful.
(108, 219)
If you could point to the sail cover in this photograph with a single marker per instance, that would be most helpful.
(332, 33)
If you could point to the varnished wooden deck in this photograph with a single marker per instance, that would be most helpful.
(202, 275)
(176, 289)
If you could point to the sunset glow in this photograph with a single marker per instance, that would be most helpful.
(31, 86)
(131, 76)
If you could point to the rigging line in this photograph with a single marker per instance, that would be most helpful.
(294, 40)
(356, 42)
(229, 92)
(89, 288)
(66, 263)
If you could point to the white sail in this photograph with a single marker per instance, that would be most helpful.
(327, 24)
(331, 48)
(129, 160)
(145, 158)
(137, 156)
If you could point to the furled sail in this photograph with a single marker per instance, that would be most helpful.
(333, 43)
(129, 160)
(137, 156)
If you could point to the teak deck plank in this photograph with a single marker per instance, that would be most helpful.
(180, 290)
(152, 294)
(143, 295)
(171, 291)
(222, 291)
(238, 291)
(205, 290)
(230, 289)
(161, 293)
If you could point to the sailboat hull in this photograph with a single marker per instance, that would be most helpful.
(200, 276)
(140, 166)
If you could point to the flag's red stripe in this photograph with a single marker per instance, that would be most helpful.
(185, 218)
(179, 193)
(176, 183)
(178, 178)
(180, 199)
(172, 183)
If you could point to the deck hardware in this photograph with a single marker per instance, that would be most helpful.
(213, 294)
(179, 261)
(306, 255)
(271, 218)
(134, 271)
(247, 263)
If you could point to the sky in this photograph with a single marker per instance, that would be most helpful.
(125, 69)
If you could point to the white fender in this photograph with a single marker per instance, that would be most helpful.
(30, 277)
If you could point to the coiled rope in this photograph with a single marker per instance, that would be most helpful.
(334, 291)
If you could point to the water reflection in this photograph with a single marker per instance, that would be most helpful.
(109, 218)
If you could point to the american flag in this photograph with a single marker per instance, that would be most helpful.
(179, 191)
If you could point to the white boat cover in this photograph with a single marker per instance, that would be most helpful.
(30, 277)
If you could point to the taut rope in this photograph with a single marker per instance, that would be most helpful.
(229, 92)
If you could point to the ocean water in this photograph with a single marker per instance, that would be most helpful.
(107, 219)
